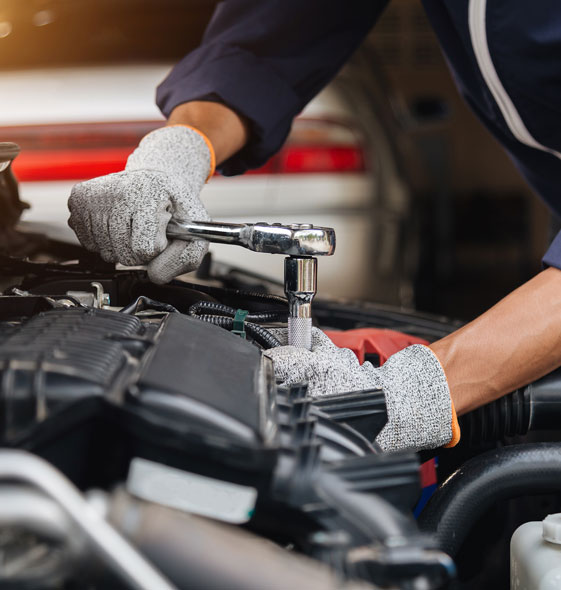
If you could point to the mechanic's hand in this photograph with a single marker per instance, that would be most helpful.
(420, 412)
(124, 216)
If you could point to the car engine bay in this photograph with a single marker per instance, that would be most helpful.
(145, 443)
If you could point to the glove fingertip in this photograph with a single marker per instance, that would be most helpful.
(177, 259)
(156, 277)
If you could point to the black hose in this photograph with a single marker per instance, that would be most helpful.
(534, 407)
(223, 316)
(370, 514)
(404, 555)
(544, 402)
(143, 303)
(219, 309)
(259, 334)
(507, 416)
(494, 476)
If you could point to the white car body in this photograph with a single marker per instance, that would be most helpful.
(120, 93)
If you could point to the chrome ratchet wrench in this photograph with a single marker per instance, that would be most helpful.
(300, 242)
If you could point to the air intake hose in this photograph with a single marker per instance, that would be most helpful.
(534, 407)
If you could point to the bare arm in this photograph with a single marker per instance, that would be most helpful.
(226, 130)
(515, 342)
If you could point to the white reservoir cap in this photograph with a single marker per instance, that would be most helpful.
(552, 528)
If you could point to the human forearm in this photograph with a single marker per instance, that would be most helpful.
(225, 129)
(267, 60)
(515, 342)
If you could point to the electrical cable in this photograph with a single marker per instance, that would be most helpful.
(224, 316)
(259, 334)
(143, 303)
(219, 309)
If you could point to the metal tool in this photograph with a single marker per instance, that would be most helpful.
(300, 242)
(291, 240)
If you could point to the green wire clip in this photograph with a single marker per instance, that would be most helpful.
(239, 323)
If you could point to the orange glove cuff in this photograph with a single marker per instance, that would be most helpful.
(456, 432)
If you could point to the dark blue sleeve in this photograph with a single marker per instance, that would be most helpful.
(553, 255)
(266, 59)
(525, 46)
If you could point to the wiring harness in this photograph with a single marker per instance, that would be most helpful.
(239, 321)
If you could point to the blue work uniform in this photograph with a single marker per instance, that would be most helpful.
(266, 59)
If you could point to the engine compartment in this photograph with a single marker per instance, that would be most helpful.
(160, 396)
(108, 379)
(144, 443)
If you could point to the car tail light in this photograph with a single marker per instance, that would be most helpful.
(319, 146)
(313, 159)
(74, 151)
(81, 151)
(70, 164)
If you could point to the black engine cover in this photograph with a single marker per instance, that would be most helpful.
(111, 387)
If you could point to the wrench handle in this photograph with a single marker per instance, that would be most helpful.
(292, 240)
(222, 233)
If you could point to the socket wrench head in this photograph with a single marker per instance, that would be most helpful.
(300, 285)
(298, 239)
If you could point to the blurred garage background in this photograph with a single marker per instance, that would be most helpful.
(429, 211)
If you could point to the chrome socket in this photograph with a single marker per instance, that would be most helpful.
(300, 284)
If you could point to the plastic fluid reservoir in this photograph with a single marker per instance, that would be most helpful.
(535, 555)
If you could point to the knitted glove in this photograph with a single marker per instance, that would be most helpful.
(124, 216)
(420, 411)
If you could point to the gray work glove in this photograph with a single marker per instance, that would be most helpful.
(417, 396)
(124, 216)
